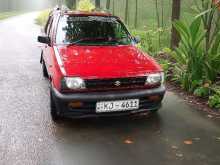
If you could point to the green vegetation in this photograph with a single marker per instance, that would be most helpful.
(197, 58)
(202, 91)
(85, 5)
(192, 67)
(42, 17)
(5, 15)
(214, 98)
(150, 39)
(214, 101)
(195, 63)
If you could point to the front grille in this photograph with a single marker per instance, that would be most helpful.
(115, 83)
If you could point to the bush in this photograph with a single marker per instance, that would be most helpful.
(85, 5)
(150, 41)
(214, 101)
(166, 65)
(42, 17)
(194, 66)
(202, 92)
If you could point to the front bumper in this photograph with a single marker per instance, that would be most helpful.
(89, 100)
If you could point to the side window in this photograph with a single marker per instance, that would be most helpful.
(49, 26)
(119, 31)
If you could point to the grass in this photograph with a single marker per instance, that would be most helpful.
(42, 17)
(5, 15)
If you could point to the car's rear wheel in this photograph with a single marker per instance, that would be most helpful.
(44, 70)
(53, 110)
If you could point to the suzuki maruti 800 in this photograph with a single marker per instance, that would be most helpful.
(95, 68)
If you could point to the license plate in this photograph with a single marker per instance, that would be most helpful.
(115, 106)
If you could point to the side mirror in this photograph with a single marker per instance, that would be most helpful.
(44, 39)
(137, 39)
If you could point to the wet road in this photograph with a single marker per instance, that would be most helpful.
(29, 137)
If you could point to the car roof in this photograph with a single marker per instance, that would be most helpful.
(86, 13)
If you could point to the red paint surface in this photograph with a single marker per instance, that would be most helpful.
(95, 62)
(106, 61)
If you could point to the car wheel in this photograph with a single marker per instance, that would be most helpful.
(53, 110)
(154, 111)
(44, 70)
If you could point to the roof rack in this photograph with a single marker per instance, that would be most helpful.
(62, 8)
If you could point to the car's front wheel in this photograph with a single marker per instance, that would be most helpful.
(44, 70)
(154, 111)
(53, 109)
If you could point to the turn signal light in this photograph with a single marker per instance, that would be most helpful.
(154, 98)
(76, 104)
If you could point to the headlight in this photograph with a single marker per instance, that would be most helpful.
(155, 78)
(74, 83)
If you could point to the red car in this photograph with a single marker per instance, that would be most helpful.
(95, 67)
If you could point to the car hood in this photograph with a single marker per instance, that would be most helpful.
(106, 61)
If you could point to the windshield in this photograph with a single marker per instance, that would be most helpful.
(92, 30)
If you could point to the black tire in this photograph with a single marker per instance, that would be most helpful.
(44, 70)
(154, 111)
(53, 110)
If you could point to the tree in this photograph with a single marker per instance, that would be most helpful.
(209, 12)
(85, 5)
(126, 12)
(97, 4)
(74, 4)
(71, 4)
(158, 21)
(157, 14)
(162, 13)
(113, 9)
(176, 7)
(108, 4)
(136, 14)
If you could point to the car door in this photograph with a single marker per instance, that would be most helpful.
(47, 49)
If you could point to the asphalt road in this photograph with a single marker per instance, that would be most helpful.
(178, 135)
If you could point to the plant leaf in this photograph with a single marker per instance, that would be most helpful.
(194, 29)
(214, 49)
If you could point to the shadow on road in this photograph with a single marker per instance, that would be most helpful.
(150, 123)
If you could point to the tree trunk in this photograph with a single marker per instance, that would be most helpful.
(162, 13)
(107, 4)
(113, 9)
(71, 4)
(158, 21)
(175, 38)
(136, 14)
(157, 14)
(74, 4)
(126, 12)
(97, 4)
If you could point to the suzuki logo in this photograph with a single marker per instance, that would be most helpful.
(117, 83)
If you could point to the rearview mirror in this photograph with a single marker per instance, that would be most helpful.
(44, 39)
(137, 39)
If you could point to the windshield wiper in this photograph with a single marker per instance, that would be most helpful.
(95, 39)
